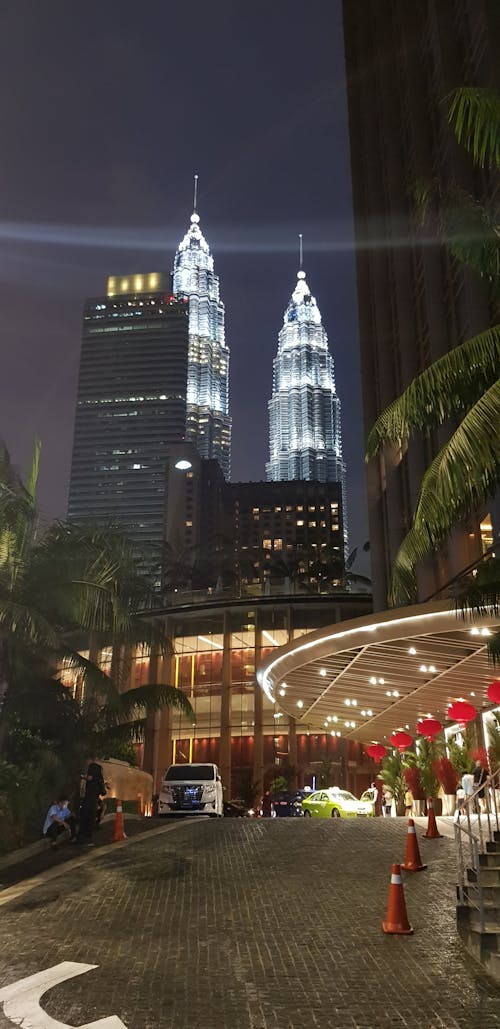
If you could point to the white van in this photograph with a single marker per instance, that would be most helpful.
(191, 789)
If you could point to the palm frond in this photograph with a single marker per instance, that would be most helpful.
(152, 698)
(474, 115)
(494, 648)
(464, 472)
(25, 622)
(480, 595)
(472, 234)
(452, 384)
(95, 681)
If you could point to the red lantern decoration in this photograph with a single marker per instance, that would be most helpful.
(401, 740)
(429, 727)
(494, 691)
(377, 751)
(461, 711)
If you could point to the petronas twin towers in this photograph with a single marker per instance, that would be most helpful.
(154, 371)
(304, 411)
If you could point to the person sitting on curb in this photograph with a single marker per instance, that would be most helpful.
(59, 820)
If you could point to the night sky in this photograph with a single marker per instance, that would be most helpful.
(107, 110)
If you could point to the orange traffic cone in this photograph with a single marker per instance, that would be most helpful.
(432, 829)
(412, 858)
(119, 831)
(397, 919)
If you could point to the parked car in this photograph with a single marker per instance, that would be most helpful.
(235, 809)
(287, 805)
(191, 789)
(335, 803)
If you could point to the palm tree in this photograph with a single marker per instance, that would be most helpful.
(464, 384)
(59, 586)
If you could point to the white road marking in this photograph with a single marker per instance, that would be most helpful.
(21, 1000)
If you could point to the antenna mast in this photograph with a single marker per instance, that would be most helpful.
(195, 198)
(300, 250)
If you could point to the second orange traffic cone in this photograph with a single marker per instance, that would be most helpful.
(412, 861)
(432, 829)
(119, 830)
(396, 919)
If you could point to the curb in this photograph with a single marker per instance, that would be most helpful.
(16, 857)
(14, 892)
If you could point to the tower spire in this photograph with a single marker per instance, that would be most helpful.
(195, 194)
(300, 251)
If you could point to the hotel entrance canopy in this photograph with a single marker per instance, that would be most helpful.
(366, 678)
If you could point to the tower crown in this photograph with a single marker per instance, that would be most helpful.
(302, 306)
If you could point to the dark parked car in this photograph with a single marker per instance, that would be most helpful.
(235, 809)
(287, 805)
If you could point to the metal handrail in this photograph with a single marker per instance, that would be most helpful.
(473, 835)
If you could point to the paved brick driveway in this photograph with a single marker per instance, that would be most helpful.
(252, 925)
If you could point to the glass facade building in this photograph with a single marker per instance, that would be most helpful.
(131, 405)
(304, 410)
(208, 421)
(216, 648)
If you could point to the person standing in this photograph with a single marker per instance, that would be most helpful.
(408, 803)
(468, 788)
(94, 788)
(480, 779)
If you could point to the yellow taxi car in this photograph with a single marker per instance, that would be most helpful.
(335, 803)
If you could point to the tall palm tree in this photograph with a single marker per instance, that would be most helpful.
(464, 384)
(58, 586)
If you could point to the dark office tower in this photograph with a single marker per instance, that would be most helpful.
(131, 405)
(415, 303)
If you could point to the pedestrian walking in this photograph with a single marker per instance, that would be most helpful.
(58, 821)
(94, 788)
(408, 803)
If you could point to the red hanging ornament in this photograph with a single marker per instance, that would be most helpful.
(461, 711)
(401, 740)
(494, 691)
(429, 727)
(377, 751)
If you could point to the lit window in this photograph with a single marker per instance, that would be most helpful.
(278, 544)
(312, 525)
(267, 544)
(277, 510)
(300, 521)
(189, 524)
(300, 507)
(311, 507)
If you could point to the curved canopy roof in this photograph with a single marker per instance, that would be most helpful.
(368, 677)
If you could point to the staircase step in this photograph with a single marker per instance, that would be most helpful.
(491, 858)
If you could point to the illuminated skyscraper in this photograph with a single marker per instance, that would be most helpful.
(304, 410)
(208, 422)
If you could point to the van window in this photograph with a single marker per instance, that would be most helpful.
(200, 773)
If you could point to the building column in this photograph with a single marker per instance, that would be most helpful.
(164, 749)
(152, 729)
(292, 724)
(292, 751)
(225, 710)
(258, 714)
